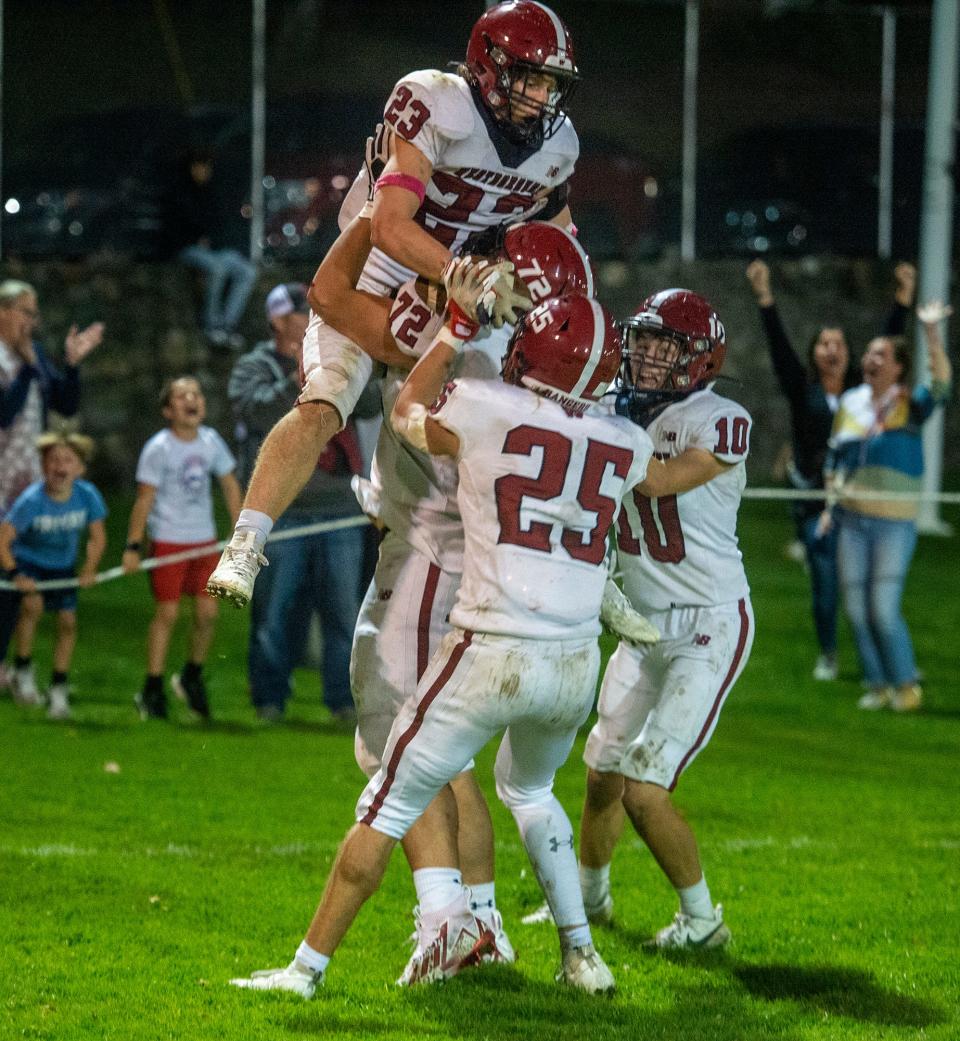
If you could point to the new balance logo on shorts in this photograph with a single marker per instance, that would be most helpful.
(701, 639)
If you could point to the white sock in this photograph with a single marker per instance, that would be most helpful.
(482, 900)
(310, 960)
(254, 520)
(695, 900)
(594, 884)
(548, 837)
(578, 936)
(459, 907)
(437, 888)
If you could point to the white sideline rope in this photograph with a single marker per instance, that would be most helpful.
(815, 494)
(320, 527)
(317, 528)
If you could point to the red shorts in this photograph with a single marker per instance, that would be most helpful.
(187, 578)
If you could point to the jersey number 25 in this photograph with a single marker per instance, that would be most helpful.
(512, 489)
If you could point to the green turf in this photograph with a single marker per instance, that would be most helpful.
(127, 899)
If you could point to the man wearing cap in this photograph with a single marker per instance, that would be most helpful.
(316, 572)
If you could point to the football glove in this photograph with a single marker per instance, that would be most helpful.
(500, 304)
(377, 151)
(465, 278)
(623, 620)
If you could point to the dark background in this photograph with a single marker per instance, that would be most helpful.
(811, 69)
(101, 96)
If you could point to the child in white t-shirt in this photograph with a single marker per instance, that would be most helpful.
(174, 503)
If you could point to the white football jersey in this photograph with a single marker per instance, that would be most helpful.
(473, 186)
(681, 550)
(418, 491)
(539, 490)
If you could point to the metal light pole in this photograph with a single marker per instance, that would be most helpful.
(936, 223)
(888, 64)
(691, 50)
(258, 127)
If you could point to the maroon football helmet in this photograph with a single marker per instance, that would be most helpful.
(548, 259)
(509, 43)
(567, 349)
(675, 344)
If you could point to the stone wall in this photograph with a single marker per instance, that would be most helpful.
(152, 333)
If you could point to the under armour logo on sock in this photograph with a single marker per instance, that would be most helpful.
(558, 844)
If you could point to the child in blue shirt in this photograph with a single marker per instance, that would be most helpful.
(40, 539)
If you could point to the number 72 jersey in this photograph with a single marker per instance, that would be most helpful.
(682, 550)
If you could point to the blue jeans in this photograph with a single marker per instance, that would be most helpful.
(822, 562)
(230, 279)
(873, 556)
(317, 571)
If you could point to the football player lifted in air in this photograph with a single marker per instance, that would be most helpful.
(541, 478)
(681, 566)
(488, 145)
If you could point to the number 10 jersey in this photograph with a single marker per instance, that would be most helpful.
(682, 550)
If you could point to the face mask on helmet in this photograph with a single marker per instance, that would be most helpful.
(548, 260)
(567, 349)
(675, 344)
(520, 58)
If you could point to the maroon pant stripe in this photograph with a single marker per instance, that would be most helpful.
(411, 732)
(718, 701)
(423, 621)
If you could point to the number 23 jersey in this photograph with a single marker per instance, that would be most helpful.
(538, 492)
(682, 550)
(478, 179)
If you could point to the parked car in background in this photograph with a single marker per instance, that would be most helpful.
(109, 181)
(97, 182)
(614, 198)
(805, 188)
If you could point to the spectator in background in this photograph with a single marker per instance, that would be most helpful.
(40, 540)
(173, 498)
(319, 572)
(204, 240)
(813, 390)
(877, 446)
(30, 385)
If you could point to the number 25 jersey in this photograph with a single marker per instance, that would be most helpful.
(682, 550)
(538, 492)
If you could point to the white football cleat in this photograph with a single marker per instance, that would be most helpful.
(601, 914)
(294, 978)
(502, 949)
(460, 943)
(232, 579)
(584, 969)
(542, 916)
(58, 698)
(685, 931)
(24, 688)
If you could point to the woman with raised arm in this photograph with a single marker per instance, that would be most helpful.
(813, 387)
(877, 447)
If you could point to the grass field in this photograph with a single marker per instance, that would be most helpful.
(129, 897)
